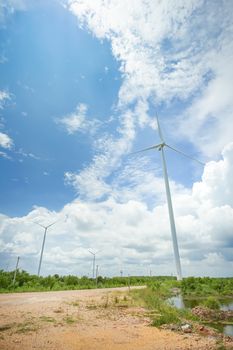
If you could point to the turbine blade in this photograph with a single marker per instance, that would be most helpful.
(38, 224)
(145, 149)
(52, 224)
(159, 129)
(185, 155)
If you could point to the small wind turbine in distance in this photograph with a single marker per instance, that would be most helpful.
(94, 254)
(160, 147)
(43, 243)
(16, 270)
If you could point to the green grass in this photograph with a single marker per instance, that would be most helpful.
(206, 286)
(47, 319)
(154, 298)
(212, 303)
(69, 320)
(26, 282)
(26, 327)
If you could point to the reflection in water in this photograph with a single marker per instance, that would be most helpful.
(228, 330)
(177, 301)
(225, 304)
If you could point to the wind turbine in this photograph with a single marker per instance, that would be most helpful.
(94, 254)
(16, 270)
(43, 243)
(160, 147)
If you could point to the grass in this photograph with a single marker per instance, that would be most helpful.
(47, 319)
(26, 327)
(69, 320)
(74, 303)
(154, 299)
(58, 311)
(212, 303)
(220, 345)
(5, 327)
(92, 306)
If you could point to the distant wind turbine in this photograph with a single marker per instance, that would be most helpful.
(16, 269)
(43, 243)
(160, 147)
(94, 254)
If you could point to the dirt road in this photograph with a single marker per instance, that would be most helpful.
(85, 320)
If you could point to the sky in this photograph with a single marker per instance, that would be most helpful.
(81, 83)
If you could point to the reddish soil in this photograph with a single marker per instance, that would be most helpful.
(85, 320)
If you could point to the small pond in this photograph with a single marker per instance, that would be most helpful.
(226, 304)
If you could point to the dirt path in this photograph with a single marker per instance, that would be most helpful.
(84, 320)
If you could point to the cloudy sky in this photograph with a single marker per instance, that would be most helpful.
(81, 82)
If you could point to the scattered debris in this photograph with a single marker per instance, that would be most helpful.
(186, 328)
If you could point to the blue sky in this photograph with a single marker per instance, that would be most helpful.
(51, 66)
(80, 84)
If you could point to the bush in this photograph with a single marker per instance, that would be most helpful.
(168, 315)
(212, 303)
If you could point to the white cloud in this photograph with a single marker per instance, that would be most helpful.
(208, 121)
(137, 31)
(9, 7)
(168, 50)
(217, 182)
(4, 95)
(91, 182)
(22, 153)
(5, 141)
(78, 122)
(172, 50)
(4, 155)
(129, 234)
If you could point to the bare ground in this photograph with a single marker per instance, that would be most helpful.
(85, 320)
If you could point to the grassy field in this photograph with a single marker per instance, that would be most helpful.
(29, 283)
(162, 285)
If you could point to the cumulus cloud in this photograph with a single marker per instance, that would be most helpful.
(131, 235)
(78, 122)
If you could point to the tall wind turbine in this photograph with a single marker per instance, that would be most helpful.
(43, 243)
(160, 147)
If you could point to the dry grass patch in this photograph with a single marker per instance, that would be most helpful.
(26, 327)
(6, 327)
(47, 319)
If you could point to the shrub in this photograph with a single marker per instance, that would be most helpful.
(212, 303)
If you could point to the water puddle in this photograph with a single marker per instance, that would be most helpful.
(226, 305)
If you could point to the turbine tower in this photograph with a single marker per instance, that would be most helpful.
(160, 147)
(43, 243)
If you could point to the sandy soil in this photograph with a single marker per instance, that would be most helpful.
(85, 320)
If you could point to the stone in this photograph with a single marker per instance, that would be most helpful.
(186, 328)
